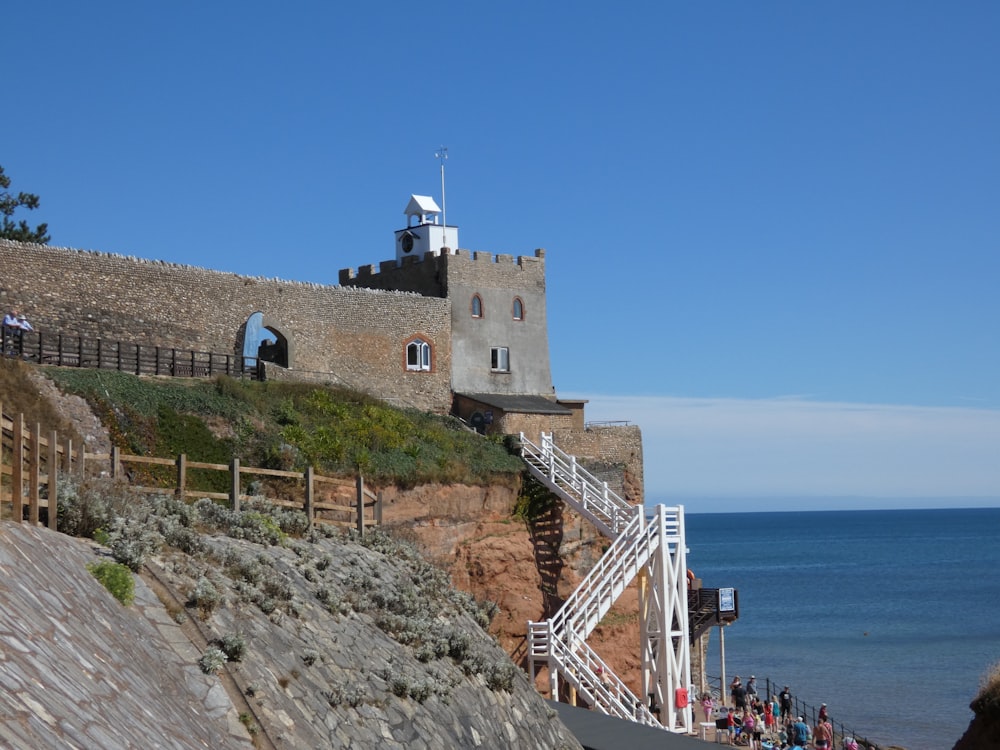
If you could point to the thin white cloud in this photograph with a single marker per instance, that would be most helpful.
(795, 447)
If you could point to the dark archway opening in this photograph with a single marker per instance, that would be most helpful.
(273, 347)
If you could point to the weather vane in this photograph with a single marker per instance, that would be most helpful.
(442, 156)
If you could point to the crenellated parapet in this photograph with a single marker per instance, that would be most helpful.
(434, 272)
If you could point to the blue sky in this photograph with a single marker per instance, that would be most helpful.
(763, 221)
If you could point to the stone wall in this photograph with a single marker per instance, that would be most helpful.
(355, 337)
(619, 444)
(497, 281)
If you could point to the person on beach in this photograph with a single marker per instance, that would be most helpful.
(800, 732)
(822, 713)
(769, 716)
(751, 689)
(739, 694)
(707, 704)
(785, 700)
(751, 730)
(823, 733)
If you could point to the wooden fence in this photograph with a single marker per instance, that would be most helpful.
(30, 464)
(138, 359)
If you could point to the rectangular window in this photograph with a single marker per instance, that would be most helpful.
(499, 359)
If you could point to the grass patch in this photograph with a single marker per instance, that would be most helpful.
(287, 426)
(116, 578)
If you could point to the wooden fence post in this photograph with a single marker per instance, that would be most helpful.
(17, 470)
(234, 488)
(361, 505)
(378, 508)
(53, 472)
(81, 461)
(35, 468)
(116, 464)
(310, 512)
(181, 475)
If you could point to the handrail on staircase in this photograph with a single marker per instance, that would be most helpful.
(606, 691)
(624, 550)
(581, 488)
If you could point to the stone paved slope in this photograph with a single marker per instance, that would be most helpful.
(80, 670)
(338, 652)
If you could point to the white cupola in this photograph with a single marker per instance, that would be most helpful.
(423, 233)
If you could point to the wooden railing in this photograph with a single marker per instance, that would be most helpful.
(138, 359)
(30, 464)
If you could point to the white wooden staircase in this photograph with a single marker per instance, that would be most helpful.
(652, 551)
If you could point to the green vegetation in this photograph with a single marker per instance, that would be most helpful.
(286, 426)
(9, 203)
(534, 499)
(116, 578)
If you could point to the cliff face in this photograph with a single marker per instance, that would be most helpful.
(984, 730)
(526, 569)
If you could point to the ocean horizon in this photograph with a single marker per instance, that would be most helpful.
(889, 616)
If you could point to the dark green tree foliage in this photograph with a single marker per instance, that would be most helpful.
(20, 230)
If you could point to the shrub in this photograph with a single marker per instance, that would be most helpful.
(234, 646)
(132, 541)
(85, 509)
(212, 660)
(206, 597)
(116, 578)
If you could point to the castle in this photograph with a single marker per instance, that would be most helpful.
(436, 328)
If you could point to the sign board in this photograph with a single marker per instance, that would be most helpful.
(727, 600)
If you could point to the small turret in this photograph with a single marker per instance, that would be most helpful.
(423, 233)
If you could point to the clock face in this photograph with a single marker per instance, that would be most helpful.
(407, 242)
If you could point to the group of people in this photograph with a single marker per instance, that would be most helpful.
(768, 722)
(15, 325)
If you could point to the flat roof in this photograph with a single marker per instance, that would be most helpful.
(597, 731)
(519, 403)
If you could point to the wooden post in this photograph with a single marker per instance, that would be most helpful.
(53, 472)
(310, 512)
(67, 458)
(17, 470)
(361, 505)
(116, 464)
(33, 476)
(181, 475)
(99, 359)
(378, 508)
(234, 491)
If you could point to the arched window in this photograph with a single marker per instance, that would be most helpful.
(418, 355)
(518, 309)
(477, 306)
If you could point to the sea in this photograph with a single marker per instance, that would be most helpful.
(890, 617)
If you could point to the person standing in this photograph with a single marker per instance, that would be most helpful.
(707, 705)
(739, 694)
(823, 733)
(751, 690)
(751, 730)
(785, 701)
(769, 715)
(800, 732)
